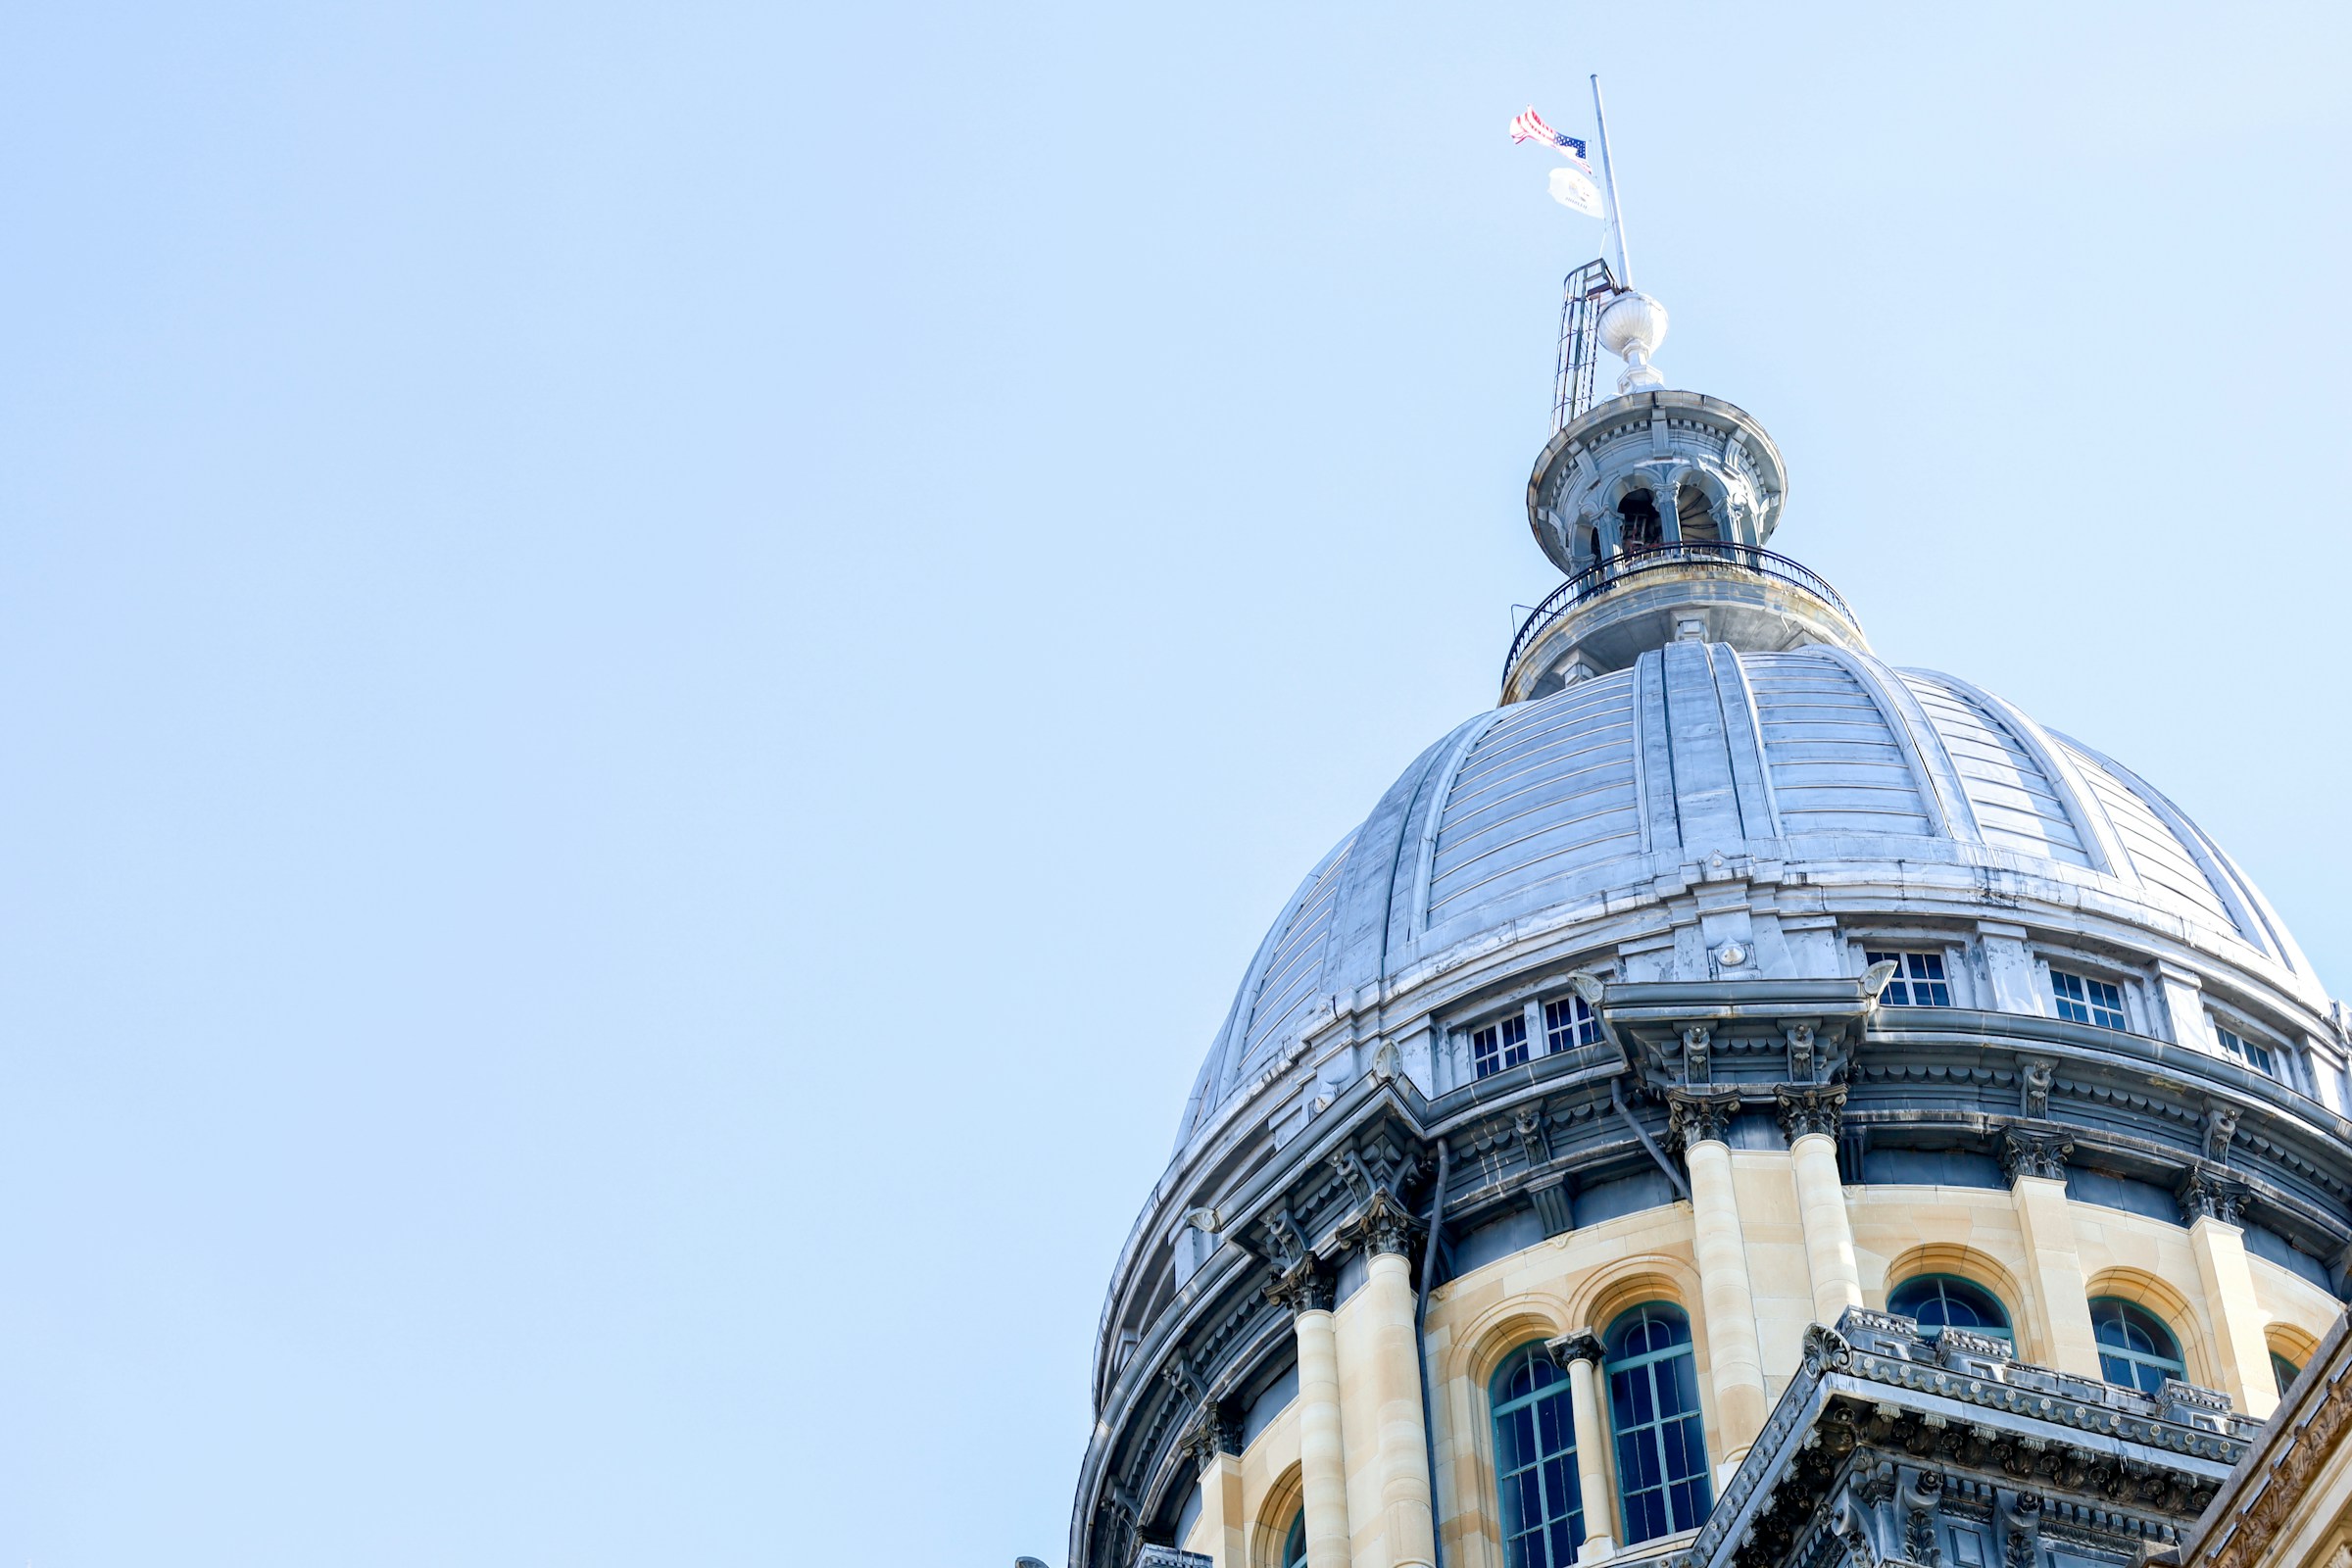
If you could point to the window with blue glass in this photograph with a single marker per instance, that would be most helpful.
(2284, 1372)
(2086, 1000)
(2135, 1349)
(1569, 1022)
(1919, 980)
(1942, 1301)
(1535, 1462)
(1653, 1406)
(2238, 1048)
(1499, 1045)
(1293, 1546)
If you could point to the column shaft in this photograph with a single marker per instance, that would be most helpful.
(2060, 1296)
(1407, 1522)
(2238, 1317)
(1591, 1467)
(1729, 1299)
(1322, 1465)
(1222, 1519)
(1829, 1229)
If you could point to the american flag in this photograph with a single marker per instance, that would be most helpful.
(1527, 126)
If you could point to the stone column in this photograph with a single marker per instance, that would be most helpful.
(1580, 1353)
(1703, 1118)
(1408, 1523)
(1667, 496)
(1811, 1116)
(2060, 1301)
(1306, 1290)
(2210, 1202)
(1222, 1519)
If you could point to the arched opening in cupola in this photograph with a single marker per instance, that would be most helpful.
(1638, 525)
(1696, 515)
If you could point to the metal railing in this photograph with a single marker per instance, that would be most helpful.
(1618, 569)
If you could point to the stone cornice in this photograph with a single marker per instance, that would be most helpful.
(1876, 1402)
(2264, 1494)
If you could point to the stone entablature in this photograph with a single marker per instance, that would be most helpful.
(2289, 1501)
(1887, 1442)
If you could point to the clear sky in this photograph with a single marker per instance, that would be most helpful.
(659, 665)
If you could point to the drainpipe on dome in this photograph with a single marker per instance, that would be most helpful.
(1429, 1270)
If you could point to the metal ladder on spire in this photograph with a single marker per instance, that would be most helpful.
(1583, 293)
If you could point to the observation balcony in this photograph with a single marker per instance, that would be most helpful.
(1613, 611)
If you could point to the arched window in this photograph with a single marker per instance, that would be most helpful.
(1946, 1301)
(2284, 1372)
(2135, 1349)
(1293, 1546)
(1535, 1462)
(1653, 1405)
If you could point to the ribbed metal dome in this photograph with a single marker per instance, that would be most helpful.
(1823, 762)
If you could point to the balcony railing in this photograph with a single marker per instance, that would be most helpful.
(1626, 567)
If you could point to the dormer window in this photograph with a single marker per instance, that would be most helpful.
(1568, 1021)
(1919, 980)
(2245, 1052)
(1499, 1045)
(2086, 1000)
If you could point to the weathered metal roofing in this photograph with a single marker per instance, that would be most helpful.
(1813, 757)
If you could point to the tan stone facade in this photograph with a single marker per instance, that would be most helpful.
(1770, 1255)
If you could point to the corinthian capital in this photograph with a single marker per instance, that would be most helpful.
(1582, 1346)
(2034, 1155)
(1806, 1110)
(1701, 1116)
(1304, 1287)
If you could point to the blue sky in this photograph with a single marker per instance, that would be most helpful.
(661, 664)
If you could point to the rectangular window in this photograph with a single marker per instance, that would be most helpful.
(1918, 982)
(2087, 1001)
(2238, 1048)
(1499, 1045)
(1569, 1022)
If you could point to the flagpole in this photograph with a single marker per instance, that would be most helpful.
(1608, 173)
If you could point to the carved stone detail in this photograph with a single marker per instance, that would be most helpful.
(2207, 1194)
(1382, 1225)
(1582, 1346)
(1800, 1052)
(2024, 1154)
(1284, 1243)
(1697, 1067)
(2220, 1125)
(1529, 1125)
(1806, 1110)
(1215, 1429)
(1700, 1115)
(2284, 1500)
(2036, 1075)
(1306, 1286)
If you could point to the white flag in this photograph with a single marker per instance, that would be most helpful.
(1573, 188)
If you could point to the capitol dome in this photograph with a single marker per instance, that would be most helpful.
(1710, 1094)
(1821, 771)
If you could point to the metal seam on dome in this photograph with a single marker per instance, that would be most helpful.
(1752, 722)
(2191, 839)
(1425, 842)
(2099, 847)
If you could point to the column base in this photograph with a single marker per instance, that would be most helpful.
(1597, 1549)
